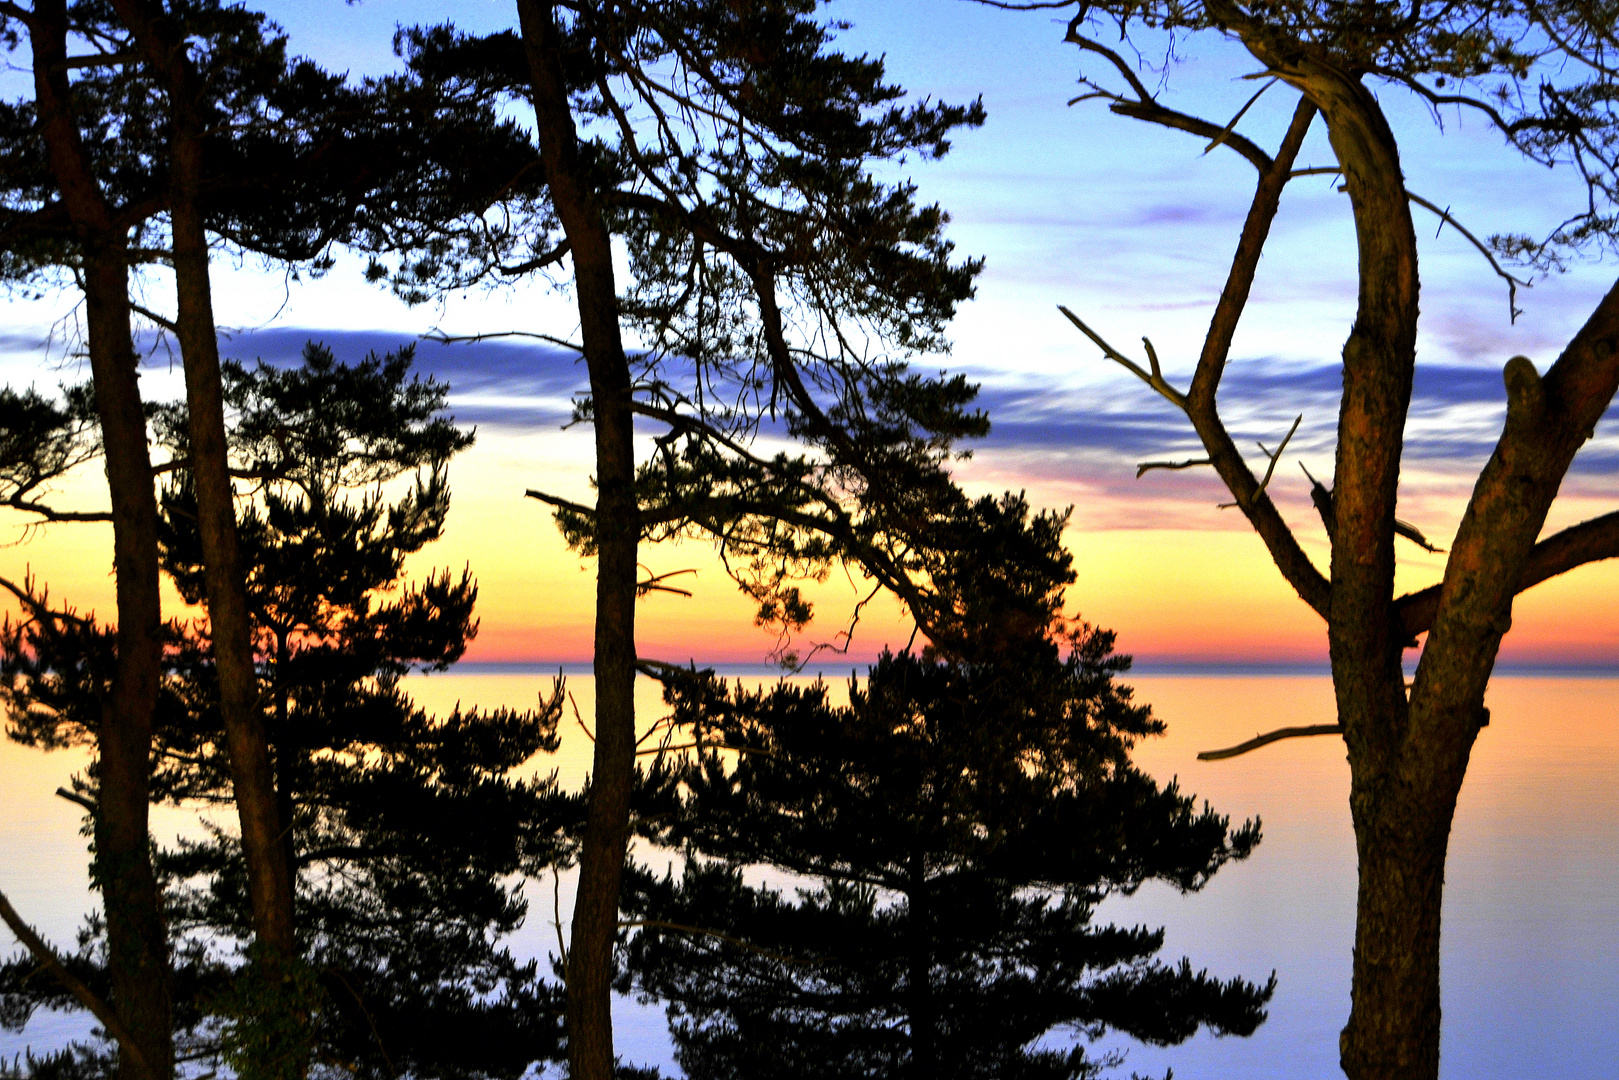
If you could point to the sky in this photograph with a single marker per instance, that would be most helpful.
(1128, 225)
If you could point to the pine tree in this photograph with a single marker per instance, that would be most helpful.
(952, 829)
(405, 831)
(728, 151)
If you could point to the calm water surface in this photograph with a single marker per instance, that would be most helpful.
(1531, 956)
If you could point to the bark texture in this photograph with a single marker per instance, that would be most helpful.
(137, 939)
(270, 884)
(1408, 755)
(618, 531)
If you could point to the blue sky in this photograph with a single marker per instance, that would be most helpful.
(1129, 225)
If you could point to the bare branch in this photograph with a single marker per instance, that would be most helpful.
(32, 507)
(1232, 126)
(70, 982)
(442, 338)
(561, 503)
(1146, 466)
(1274, 736)
(1154, 378)
(1445, 218)
(1311, 585)
(654, 584)
(1145, 107)
(1274, 458)
(147, 313)
(75, 797)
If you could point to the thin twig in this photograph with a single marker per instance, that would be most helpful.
(580, 720)
(442, 338)
(1154, 378)
(1445, 218)
(1274, 458)
(1232, 126)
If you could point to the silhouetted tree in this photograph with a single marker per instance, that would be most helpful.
(1543, 76)
(728, 150)
(76, 199)
(951, 830)
(404, 830)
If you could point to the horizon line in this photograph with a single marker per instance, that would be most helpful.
(1145, 667)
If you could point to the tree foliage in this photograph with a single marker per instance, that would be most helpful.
(950, 831)
(406, 830)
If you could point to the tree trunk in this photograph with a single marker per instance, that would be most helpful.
(137, 939)
(230, 625)
(270, 884)
(618, 531)
(924, 1025)
(1402, 831)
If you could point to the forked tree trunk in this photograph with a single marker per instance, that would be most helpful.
(270, 885)
(618, 532)
(137, 939)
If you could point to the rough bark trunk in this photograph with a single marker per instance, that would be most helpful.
(1402, 832)
(618, 531)
(1401, 809)
(1408, 756)
(270, 884)
(230, 625)
(137, 939)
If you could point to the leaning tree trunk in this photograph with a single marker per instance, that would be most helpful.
(618, 531)
(270, 884)
(137, 939)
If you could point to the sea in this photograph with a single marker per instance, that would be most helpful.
(1531, 920)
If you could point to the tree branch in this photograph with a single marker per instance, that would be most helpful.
(1154, 378)
(1588, 542)
(32, 507)
(147, 313)
(1270, 469)
(1146, 466)
(1274, 736)
(1445, 218)
(75, 797)
(1310, 584)
(86, 997)
(561, 503)
(442, 338)
(1145, 107)
(539, 262)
